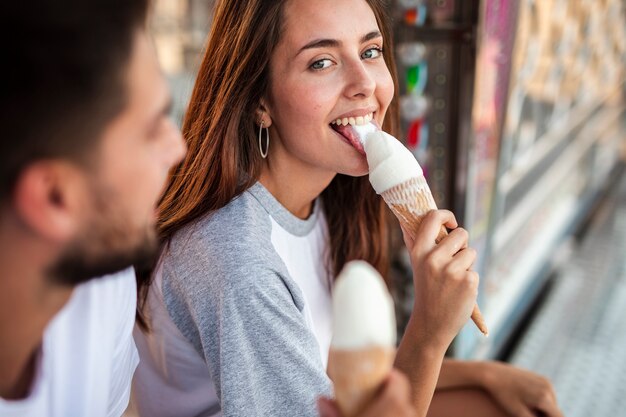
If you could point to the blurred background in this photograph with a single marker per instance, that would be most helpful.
(516, 111)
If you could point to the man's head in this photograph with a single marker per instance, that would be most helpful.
(86, 138)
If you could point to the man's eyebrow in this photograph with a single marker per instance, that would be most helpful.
(165, 110)
(333, 43)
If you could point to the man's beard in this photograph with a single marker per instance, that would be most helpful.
(109, 244)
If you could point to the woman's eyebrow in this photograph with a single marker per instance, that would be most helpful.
(372, 35)
(320, 43)
(333, 43)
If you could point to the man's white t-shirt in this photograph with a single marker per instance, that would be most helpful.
(88, 356)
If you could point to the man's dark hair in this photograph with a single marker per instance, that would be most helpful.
(63, 76)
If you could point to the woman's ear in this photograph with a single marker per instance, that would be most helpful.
(262, 114)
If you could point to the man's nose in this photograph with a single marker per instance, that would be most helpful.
(177, 146)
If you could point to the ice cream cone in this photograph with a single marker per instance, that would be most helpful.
(396, 175)
(357, 375)
(362, 349)
(410, 202)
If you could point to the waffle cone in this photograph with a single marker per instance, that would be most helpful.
(410, 202)
(357, 375)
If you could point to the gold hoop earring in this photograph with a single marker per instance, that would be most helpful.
(267, 141)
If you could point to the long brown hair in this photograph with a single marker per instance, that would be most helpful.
(223, 160)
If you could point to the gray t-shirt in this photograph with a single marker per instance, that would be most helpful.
(225, 284)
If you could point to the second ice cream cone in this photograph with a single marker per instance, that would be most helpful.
(362, 349)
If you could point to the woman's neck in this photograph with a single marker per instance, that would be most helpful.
(294, 185)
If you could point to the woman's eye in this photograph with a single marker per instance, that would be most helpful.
(372, 53)
(321, 64)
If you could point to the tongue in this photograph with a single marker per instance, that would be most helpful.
(349, 133)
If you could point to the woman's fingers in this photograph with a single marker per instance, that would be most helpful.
(524, 412)
(430, 226)
(457, 239)
(463, 260)
(516, 388)
(548, 404)
(452, 256)
(551, 410)
(545, 398)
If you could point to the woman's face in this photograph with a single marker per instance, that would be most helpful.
(328, 66)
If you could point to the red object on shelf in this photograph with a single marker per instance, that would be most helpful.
(410, 16)
(413, 134)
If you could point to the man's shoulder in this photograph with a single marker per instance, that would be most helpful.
(106, 302)
(112, 285)
(88, 348)
(113, 295)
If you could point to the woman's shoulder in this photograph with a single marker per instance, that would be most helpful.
(240, 224)
(234, 241)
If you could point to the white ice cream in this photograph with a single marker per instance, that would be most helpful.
(363, 130)
(363, 313)
(390, 162)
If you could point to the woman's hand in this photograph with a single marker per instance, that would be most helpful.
(445, 287)
(393, 400)
(521, 393)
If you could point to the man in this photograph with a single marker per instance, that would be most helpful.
(85, 149)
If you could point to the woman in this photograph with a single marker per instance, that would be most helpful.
(268, 206)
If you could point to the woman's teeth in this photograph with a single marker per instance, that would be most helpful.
(354, 121)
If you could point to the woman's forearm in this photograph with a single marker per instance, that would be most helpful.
(421, 363)
(462, 374)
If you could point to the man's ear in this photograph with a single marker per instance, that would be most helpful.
(47, 198)
(263, 114)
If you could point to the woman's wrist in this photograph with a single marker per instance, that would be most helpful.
(418, 347)
(418, 344)
(416, 336)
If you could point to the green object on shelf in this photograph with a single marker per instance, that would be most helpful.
(412, 78)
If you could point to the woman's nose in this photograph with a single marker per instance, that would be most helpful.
(360, 82)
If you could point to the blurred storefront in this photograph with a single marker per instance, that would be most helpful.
(515, 110)
(179, 29)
